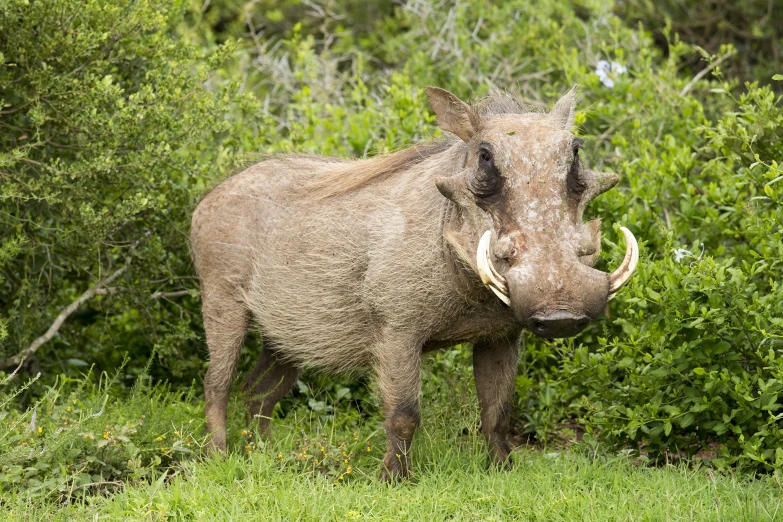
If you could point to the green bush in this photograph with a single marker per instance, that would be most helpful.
(698, 365)
(752, 26)
(107, 136)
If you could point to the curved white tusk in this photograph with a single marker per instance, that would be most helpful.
(503, 297)
(486, 271)
(621, 276)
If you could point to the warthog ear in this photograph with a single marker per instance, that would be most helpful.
(564, 110)
(452, 114)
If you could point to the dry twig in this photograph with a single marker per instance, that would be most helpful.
(100, 288)
(701, 74)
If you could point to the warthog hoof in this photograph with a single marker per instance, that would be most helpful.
(394, 469)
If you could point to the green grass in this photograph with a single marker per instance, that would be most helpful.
(452, 482)
(141, 477)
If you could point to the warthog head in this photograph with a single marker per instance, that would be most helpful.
(522, 170)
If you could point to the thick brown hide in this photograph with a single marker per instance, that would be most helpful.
(353, 265)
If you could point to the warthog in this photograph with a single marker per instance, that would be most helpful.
(357, 264)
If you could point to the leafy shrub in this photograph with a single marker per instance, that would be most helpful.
(274, 19)
(698, 365)
(750, 26)
(108, 135)
(81, 437)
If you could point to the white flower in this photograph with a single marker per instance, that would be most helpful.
(607, 71)
(681, 253)
(619, 68)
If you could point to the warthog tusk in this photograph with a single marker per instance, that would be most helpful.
(621, 276)
(486, 270)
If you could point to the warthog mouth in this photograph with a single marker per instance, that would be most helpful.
(497, 283)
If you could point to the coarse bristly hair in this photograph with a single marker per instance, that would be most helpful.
(356, 174)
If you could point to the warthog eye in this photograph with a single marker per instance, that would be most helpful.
(487, 181)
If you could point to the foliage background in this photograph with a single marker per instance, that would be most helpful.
(116, 117)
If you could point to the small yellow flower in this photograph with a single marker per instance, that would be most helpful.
(160, 439)
(341, 477)
(244, 432)
(68, 408)
(40, 430)
(106, 435)
(87, 437)
(349, 470)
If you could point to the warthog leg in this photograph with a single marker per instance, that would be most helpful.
(270, 381)
(495, 371)
(399, 380)
(225, 322)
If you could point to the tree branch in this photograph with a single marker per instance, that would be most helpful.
(166, 295)
(701, 74)
(100, 288)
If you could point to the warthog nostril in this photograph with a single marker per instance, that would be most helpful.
(559, 323)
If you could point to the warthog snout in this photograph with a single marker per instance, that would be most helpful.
(552, 293)
(560, 323)
(556, 302)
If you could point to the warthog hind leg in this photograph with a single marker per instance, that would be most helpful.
(495, 371)
(225, 322)
(270, 380)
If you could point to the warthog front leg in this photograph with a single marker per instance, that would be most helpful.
(495, 372)
(399, 381)
(270, 381)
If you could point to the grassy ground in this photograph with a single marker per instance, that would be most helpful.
(323, 460)
(273, 481)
